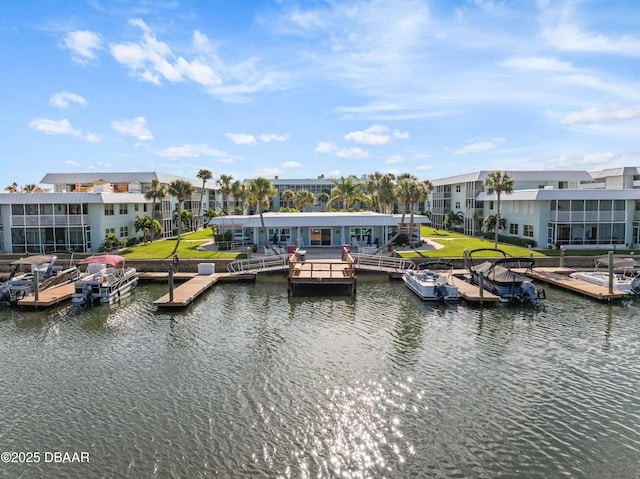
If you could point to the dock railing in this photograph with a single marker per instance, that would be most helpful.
(259, 264)
(383, 263)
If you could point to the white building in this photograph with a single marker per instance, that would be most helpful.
(572, 209)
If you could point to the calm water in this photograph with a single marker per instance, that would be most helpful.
(251, 383)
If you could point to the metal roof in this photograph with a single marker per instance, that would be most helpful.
(71, 198)
(564, 194)
(314, 219)
(118, 177)
(533, 175)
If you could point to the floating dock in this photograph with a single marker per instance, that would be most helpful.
(322, 272)
(49, 297)
(471, 293)
(187, 292)
(554, 277)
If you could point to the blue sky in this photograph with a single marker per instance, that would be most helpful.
(306, 88)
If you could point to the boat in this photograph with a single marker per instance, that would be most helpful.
(625, 274)
(106, 280)
(499, 277)
(43, 273)
(431, 284)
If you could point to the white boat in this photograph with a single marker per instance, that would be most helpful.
(431, 285)
(104, 282)
(625, 274)
(43, 271)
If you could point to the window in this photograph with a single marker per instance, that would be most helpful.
(124, 209)
(32, 210)
(75, 209)
(17, 210)
(360, 235)
(124, 231)
(109, 231)
(513, 229)
(528, 230)
(458, 188)
(280, 235)
(457, 205)
(136, 207)
(108, 210)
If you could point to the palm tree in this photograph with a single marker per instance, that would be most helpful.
(29, 188)
(453, 218)
(373, 187)
(224, 182)
(182, 190)
(204, 175)
(260, 190)
(304, 198)
(347, 190)
(239, 193)
(498, 182)
(288, 196)
(428, 186)
(156, 191)
(12, 188)
(386, 193)
(323, 198)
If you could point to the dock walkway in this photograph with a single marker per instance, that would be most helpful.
(552, 276)
(49, 297)
(187, 292)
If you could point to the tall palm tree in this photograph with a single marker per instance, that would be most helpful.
(347, 190)
(386, 194)
(156, 191)
(260, 190)
(224, 182)
(498, 182)
(428, 187)
(239, 192)
(373, 187)
(182, 190)
(417, 193)
(205, 175)
(304, 198)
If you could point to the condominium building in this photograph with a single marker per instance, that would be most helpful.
(83, 208)
(571, 209)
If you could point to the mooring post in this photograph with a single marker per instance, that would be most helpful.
(481, 285)
(171, 283)
(36, 284)
(610, 272)
(465, 255)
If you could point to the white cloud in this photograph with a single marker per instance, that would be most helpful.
(570, 37)
(333, 174)
(601, 115)
(189, 151)
(226, 160)
(62, 99)
(134, 127)
(479, 147)
(376, 135)
(352, 153)
(394, 159)
(241, 138)
(93, 138)
(83, 45)
(54, 127)
(538, 64)
(291, 164)
(266, 172)
(424, 167)
(400, 135)
(325, 148)
(268, 137)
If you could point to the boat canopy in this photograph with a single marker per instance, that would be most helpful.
(618, 261)
(36, 259)
(110, 259)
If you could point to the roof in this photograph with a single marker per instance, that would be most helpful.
(71, 198)
(291, 220)
(524, 175)
(116, 177)
(564, 194)
(417, 219)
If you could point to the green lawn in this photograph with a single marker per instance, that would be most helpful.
(454, 245)
(187, 249)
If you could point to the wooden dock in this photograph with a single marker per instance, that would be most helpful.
(49, 297)
(554, 277)
(322, 272)
(187, 292)
(471, 293)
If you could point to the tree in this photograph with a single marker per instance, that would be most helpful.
(209, 214)
(386, 194)
(259, 192)
(288, 196)
(373, 187)
(204, 175)
(498, 182)
(239, 193)
(453, 218)
(148, 226)
(224, 182)
(12, 188)
(182, 190)
(489, 224)
(347, 190)
(156, 191)
(30, 188)
(304, 198)
(323, 198)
